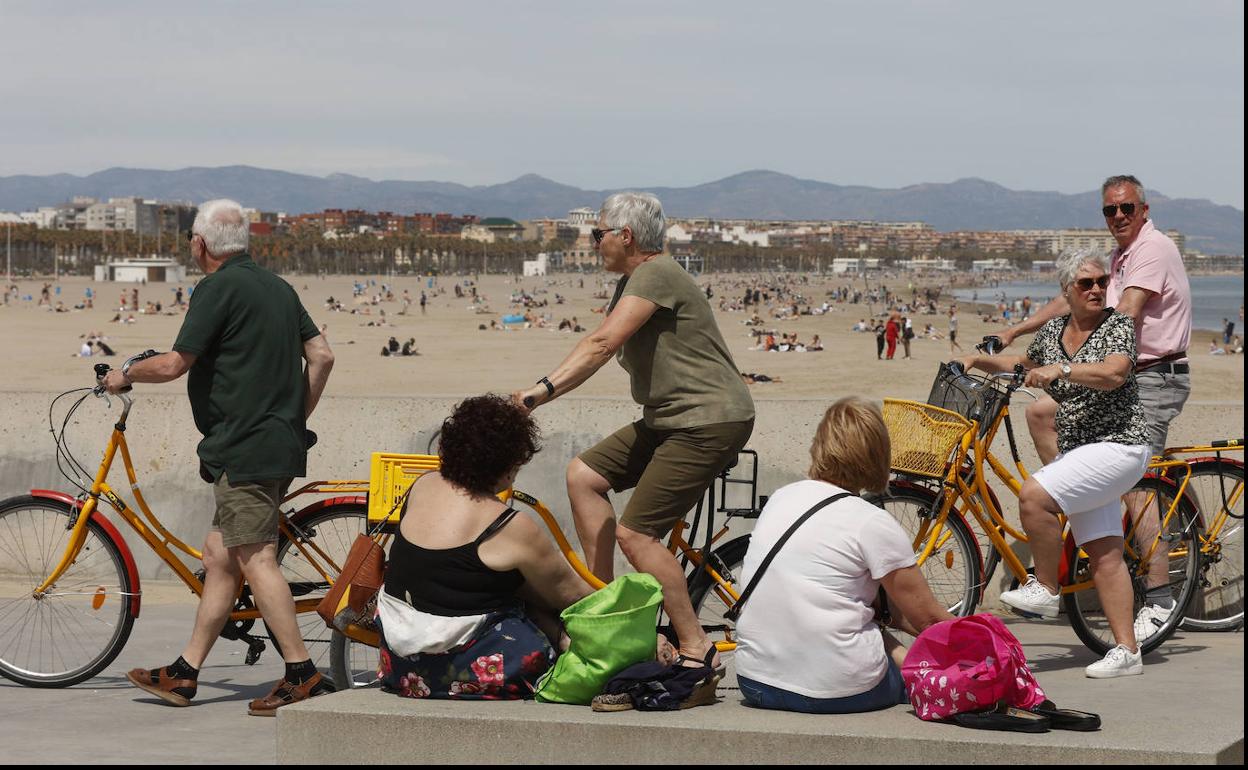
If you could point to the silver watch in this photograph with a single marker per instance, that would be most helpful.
(1066, 371)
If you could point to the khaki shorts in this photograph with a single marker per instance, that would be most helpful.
(669, 470)
(247, 511)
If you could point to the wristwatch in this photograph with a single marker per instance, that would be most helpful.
(1065, 371)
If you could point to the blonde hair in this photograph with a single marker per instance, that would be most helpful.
(851, 447)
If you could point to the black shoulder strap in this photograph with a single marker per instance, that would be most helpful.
(735, 611)
(498, 524)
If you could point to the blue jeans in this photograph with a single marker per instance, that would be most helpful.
(889, 692)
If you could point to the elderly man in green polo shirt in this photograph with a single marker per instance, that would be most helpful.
(243, 341)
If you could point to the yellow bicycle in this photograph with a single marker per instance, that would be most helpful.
(942, 460)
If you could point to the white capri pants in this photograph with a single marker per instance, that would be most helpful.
(1087, 483)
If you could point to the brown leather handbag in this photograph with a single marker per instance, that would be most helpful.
(358, 583)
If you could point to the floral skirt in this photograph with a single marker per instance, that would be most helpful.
(502, 662)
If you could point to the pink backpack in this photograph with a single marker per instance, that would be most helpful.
(968, 664)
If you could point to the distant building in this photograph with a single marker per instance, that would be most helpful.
(504, 229)
(992, 265)
(536, 266)
(478, 233)
(139, 269)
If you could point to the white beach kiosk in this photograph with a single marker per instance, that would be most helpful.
(140, 269)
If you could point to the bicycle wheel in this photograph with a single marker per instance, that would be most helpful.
(80, 625)
(1218, 602)
(953, 569)
(351, 663)
(333, 529)
(710, 600)
(1083, 608)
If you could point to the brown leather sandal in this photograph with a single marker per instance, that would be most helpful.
(162, 685)
(285, 693)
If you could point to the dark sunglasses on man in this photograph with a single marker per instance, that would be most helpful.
(1086, 284)
(1127, 210)
(600, 232)
(190, 236)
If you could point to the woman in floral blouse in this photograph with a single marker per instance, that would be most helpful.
(1085, 360)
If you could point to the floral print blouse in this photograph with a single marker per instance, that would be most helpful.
(1085, 415)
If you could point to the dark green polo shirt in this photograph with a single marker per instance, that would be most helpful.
(247, 328)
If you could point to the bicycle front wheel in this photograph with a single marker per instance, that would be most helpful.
(332, 530)
(953, 569)
(1179, 547)
(710, 597)
(1217, 488)
(75, 629)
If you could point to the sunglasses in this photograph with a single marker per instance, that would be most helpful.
(1086, 284)
(600, 232)
(190, 236)
(1127, 210)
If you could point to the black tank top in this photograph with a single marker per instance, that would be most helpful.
(451, 581)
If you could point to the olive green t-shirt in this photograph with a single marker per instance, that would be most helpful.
(680, 369)
(246, 328)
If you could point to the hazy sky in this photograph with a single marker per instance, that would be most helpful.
(1037, 96)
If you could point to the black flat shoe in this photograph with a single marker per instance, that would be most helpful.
(1068, 719)
(1004, 717)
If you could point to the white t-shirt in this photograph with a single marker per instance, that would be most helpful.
(808, 626)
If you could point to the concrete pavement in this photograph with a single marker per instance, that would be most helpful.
(1187, 708)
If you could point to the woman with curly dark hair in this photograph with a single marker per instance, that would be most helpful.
(473, 590)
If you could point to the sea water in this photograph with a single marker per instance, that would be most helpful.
(1214, 297)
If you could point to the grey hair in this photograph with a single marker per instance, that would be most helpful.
(223, 226)
(1122, 179)
(1069, 262)
(640, 212)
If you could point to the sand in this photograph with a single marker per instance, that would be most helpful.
(39, 346)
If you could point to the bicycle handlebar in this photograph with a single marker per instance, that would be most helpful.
(1227, 443)
(991, 345)
(103, 369)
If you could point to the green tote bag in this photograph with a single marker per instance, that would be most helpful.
(610, 630)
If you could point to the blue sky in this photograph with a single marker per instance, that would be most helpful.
(1037, 96)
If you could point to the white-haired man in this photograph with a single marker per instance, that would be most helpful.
(243, 340)
(1149, 283)
(697, 413)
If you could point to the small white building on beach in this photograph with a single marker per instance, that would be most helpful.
(140, 269)
(536, 266)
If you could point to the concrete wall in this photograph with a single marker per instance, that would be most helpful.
(162, 437)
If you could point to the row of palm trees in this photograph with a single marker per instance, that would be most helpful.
(36, 251)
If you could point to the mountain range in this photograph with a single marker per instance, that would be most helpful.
(967, 204)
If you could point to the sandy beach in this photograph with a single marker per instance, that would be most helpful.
(40, 346)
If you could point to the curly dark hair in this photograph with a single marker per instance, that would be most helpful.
(483, 440)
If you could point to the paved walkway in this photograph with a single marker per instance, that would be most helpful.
(1191, 697)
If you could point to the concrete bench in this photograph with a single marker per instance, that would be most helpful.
(1188, 708)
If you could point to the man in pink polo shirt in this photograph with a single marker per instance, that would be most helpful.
(1148, 283)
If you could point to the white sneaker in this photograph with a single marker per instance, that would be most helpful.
(1032, 597)
(1149, 620)
(1117, 662)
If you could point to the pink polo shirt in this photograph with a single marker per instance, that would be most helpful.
(1152, 262)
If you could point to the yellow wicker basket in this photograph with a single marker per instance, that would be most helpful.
(922, 436)
(389, 477)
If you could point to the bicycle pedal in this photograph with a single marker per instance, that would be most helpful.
(254, 648)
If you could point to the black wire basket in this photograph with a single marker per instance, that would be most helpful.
(975, 398)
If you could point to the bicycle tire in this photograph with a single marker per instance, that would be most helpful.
(1218, 602)
(709, 604)
(1083, 608)
(333, 529)
(62, 638)
(955, 570)
(351, 663)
